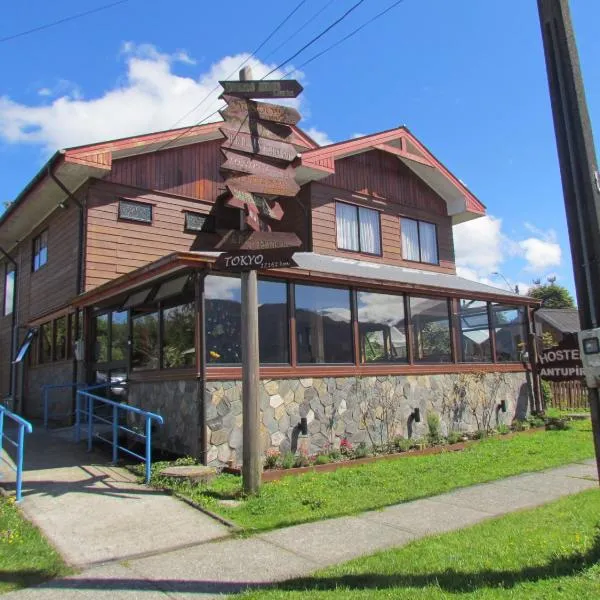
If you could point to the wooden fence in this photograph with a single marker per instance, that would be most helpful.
(569, 395)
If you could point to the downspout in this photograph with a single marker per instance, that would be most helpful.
(79, 282)
(533, 350)
(14, 327)
(200, 344)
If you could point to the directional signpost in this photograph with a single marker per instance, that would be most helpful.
(257, 170)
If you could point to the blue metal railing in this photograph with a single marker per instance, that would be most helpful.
(19, 443)
(91, 400)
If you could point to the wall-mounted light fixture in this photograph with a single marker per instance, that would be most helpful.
(416, 415)
(303, 426)
(502, 406)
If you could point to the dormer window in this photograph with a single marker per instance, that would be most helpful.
(419, 241)
(358, 228)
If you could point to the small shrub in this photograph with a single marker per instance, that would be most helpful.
(454, 437)
(536, 421)
(287, 460)
(546, 393)
(479, 434)
(503, 429)
(272, 458)
(301, 460)
(345, 447)
(322, 459)
(335, 455)
(519, 425)
(434, 435)
(402, 444)
(361, 450)
(557, 424)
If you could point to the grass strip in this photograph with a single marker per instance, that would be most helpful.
(315, 496)
(26, 558)
(551, 552)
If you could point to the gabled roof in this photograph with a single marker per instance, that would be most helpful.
(462, 204)
(565, 320)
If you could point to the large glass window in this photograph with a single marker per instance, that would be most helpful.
(60, 338)
(358, 228)
(9, 289)
(40, 250)
(46, 342)
(119, 328)
(474, 327)
(430, 326)
(509, 326)
(179, 343)
(273, 322)
(145, 341)
(419, 241)
(101, 349)
(382, 327)
(323, 325)
(223, 319)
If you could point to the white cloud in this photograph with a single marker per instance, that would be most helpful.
(150, 97)
(540, 253)
(357, 135)
(45, 91)
(478, 245)
(319, 136)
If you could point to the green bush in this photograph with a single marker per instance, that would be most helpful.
(557, 424)
(301, 460)
(546, 393)
(479, 434)
(454, 437)
(335, 454)
(287, 460)
(402, 444)
(361, 451)
(536, 421)
(519, 425)
(503, 429)
(322, 459)
(434, 435)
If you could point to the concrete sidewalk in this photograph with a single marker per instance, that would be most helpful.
(93, 512)
(223, 567)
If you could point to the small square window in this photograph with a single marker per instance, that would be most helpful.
(196, 222)
(40, 251)
(135, 211)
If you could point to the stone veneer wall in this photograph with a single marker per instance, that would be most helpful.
(359, 409)
(61, 400)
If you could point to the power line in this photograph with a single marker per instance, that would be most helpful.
(60, 21)
(258, 48)
(317, 37)
(346, 37)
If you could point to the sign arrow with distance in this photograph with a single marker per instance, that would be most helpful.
(234, 239)
(236, 161)
(255, 204)
(283, 88)
(240, 109)
(251, 260)
(255, 145)
(262, 184)
(263, 129)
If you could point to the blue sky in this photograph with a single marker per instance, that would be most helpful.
(466, 76)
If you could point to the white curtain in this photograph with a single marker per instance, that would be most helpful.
(370, 237)
(347, 226)
(410, 239)
(429, 253)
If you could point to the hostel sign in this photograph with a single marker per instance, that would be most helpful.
(562, 362)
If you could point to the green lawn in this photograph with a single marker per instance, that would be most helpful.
(26, 558)
(552, 552)
(314, 496)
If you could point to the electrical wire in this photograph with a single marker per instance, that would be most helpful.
(60, 21)
(346, 37)
(211, 92)
(317, 37)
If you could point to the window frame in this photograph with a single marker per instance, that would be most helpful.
(437, 241)
(129, 219)
(35, 253)
(357, 207)
(9, 268)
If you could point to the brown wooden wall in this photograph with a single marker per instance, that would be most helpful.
(191, 171)
(115, 247)
(380, 181)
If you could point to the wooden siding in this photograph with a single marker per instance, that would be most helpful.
(324, 235)
(115, 247)
(191, 171)
(382, 176)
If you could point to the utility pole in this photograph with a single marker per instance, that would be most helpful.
(578, 168)
(251, 465)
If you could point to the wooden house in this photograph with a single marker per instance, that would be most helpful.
(100, 275)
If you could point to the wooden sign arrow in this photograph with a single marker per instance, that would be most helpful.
(256, 145)
(234, 239)
(240, 108)
(236, 161)
(251, 260)
(282, 88)
(261, 184)
(254, 204)
(264, 129)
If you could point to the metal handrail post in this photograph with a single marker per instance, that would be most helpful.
(20, 451)
(90, 407)
(45, 399)
(1, 433)
(115, 432)
(77, 417)
(148, 448)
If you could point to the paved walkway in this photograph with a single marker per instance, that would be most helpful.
(200, 567)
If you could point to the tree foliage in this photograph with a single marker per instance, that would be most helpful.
(552, 295)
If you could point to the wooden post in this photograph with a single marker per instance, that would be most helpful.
(252, 464)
